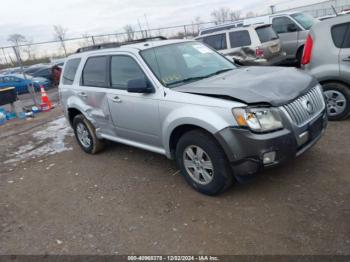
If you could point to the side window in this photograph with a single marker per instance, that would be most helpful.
(339, 36)
(70, 70)
(218, 42)
(284, 25)
(95, 72)
(240, 38)
(123, 69)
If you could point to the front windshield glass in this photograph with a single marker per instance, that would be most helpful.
(178, 64)
(306, 20)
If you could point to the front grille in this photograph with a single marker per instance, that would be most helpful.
(306, 107)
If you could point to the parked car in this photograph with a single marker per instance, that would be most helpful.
(18, 81)
(292, 29)
(42, 71)
(185, 101)
(327, 57)
(251, 45)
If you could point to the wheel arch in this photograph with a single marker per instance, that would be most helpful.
(179, 131)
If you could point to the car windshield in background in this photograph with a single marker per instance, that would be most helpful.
(306, 20)
(266, 34)
(178, 64)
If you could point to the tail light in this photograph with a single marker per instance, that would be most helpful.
(307, 50)
(259, 52)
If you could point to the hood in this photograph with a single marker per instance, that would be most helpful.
(253, 85)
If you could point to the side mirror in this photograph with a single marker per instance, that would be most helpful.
(292, 28)
(139, 85)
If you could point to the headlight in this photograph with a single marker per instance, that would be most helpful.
(258, 119)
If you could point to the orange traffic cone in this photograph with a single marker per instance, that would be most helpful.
(46, 104)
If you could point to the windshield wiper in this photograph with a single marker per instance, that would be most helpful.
(187, 80)
(191, 79)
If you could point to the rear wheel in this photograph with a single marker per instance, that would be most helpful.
(338, 100)
(85, 134)
(299, 57)
(203, 163)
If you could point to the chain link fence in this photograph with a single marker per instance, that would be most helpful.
(33, 53)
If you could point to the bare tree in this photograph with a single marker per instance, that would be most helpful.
(28, 49)
(60, 34)
(235, 15)
(130, 32)
(250, 14)
(16, 40)
(221, 15)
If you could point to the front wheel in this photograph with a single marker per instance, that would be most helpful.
(337, 100)
(203, 163)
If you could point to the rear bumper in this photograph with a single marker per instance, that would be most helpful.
(245, 150)
(266, 62)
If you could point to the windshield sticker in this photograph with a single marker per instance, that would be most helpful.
(202, 49)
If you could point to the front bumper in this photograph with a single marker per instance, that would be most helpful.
(245, 150)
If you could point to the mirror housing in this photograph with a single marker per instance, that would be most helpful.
(140, 85)
(292, 28)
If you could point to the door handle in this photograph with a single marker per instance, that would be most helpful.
(347, 59)
(116, 99)
(83, 94)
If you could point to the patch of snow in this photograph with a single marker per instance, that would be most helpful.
(49, 141)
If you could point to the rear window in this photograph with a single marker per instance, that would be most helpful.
(95, 72)
(240, 38)
(218, 42)
(266, 34)
(70, 70)
(338, 34)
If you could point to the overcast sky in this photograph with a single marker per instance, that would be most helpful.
(34, 19)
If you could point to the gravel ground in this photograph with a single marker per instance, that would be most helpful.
(55, 199)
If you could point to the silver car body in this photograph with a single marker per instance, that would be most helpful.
(149, 121)
(329, 62)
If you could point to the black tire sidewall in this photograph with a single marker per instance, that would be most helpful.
(222, 172)
(81, 119)
(346, 92)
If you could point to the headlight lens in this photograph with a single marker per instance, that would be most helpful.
(258, 119)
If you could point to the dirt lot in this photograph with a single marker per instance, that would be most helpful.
(55, 199)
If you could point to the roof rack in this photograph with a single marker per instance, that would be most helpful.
(118, 44)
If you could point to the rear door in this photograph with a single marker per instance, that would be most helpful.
(135, 116)
(287, 31)
(270, 42)
(93, 90)
(344, 56)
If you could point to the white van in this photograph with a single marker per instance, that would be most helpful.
(292, 29)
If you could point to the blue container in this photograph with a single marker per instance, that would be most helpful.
(2, 118)
(22, 115)
(2, 111)
(11, 115)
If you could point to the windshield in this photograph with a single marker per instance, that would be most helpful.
(306, 20)
(178, 64)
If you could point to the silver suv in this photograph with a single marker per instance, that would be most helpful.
(327, 57)
(183, 100)
(251, 45)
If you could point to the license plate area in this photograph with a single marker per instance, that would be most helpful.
(315, 128)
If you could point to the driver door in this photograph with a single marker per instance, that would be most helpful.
(134, 115)
(288, 32)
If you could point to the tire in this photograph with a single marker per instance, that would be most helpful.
(335, 93)
(299, 57)
(95, 145)
(220, 177)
